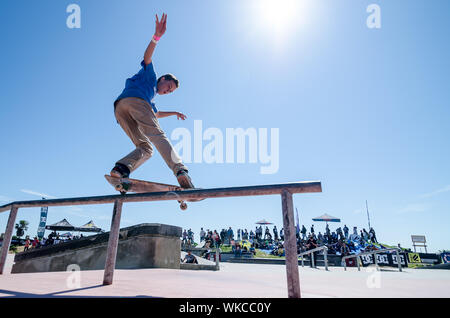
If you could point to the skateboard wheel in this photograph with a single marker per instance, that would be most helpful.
(183, 206)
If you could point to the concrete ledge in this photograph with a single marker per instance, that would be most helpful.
(140, 246)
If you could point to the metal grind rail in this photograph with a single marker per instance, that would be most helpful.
(286, 190)
(320, 248)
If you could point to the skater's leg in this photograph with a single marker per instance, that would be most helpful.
(144, 149)
(148, 125)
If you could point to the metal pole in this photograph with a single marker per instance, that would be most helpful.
(217, 257)
(312, 260)
(398, 261)
(7, 238)
(293, 279)
(326, 259)
(357, 262)
(376, 260)
(368, 218)
(113, 242)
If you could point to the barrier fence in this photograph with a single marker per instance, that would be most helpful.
(396, 250)
(286, 191)
(313, 263)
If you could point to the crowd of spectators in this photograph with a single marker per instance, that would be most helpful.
(52, 239)
(339, 241)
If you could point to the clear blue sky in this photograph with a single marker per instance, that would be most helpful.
(366, 111)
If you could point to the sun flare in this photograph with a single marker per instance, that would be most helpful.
(280, 16)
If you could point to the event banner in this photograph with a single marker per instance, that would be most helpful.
(384, 259)
(42, 222)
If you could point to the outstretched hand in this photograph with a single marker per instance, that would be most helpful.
(160, 27)
(181, 116)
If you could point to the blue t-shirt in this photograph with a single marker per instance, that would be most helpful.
(141, 85)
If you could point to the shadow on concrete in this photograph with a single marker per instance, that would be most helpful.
(16, 294)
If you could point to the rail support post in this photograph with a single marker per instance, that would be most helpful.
(113, 242)
(7, 238)
(399, 261)
(376, 261)
(217, 258)
(293, 279)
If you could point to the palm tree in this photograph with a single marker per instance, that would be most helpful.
(21, 227)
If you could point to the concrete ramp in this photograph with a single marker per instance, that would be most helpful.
(147, 245)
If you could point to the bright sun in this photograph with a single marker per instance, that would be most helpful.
(280, 16)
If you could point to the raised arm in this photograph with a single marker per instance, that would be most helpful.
(160, 29)
(179, 115)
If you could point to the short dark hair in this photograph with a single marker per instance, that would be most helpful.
(170, 77)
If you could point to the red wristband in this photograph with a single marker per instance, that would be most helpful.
(156, 38)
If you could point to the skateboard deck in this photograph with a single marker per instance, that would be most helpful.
(124, 185)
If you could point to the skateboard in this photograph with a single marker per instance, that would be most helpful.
(124, 185)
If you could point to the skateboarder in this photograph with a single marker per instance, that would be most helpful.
(138, 116)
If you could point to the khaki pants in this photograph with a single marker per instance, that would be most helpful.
(139, 122)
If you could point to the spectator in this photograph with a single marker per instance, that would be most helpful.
(320, 239)
(35, 242)
(189, 258)
(27, 244)
(310, 245)
(303, 231)
(239, 234)
(344, 249)
(202, 235)
(252, 249)
(346, 232)
(282, 234)
(373, 236)
(190, 237)
(237, 251)
(267, 233)
(312, 229)
(185, 235)
(354, 236)
(366, 235)
(230, 234)
(216, 238)
(275, 233)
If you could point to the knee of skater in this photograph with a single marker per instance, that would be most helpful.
(147, 150)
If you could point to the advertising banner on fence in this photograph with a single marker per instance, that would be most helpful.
(384, 259)
(445, 257)
(42, 222)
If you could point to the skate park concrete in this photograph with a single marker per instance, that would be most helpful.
(231, 281)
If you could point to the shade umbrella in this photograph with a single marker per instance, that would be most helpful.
(263, 222)
(326, 218)
(62, 225)
(88, 227)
